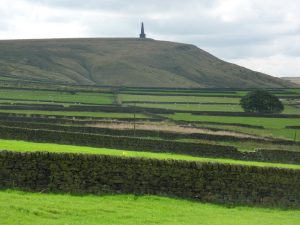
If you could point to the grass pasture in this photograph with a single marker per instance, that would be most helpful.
(74, 113)
(53, 96)
(274, 123)
(23, 146)
(21, 208)
(187, 99)
(24, 208)
(196, 103)
(274, 126)
(195, 107)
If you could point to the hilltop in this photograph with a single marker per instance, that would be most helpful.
(123, 62)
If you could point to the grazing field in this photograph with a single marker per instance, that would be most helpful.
(187, 99)
(196, 107)
(289, 109)
(49, 112)
(215, 107)
(275, 123)
(274, 126)
(22, 146)
(53, 96)
(287, 134)
(80, 114)
(246, 146)
(195, 103)
(37, 208)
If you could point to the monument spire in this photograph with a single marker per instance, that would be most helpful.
(142, 35)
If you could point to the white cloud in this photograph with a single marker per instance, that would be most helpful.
(277, 65)
(27, 20)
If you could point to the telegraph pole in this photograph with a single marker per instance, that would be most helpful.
(134, 119)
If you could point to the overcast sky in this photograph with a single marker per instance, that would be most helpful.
(262, 35)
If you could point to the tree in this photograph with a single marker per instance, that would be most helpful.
(262, 102)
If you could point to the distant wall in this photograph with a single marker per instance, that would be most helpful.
(148, 145)
(169, 135)
(219, 183)
(70, 119)
(126, 132)
(245, 114)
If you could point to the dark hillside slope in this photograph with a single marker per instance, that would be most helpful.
(123, 62)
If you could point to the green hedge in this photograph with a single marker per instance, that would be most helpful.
(219, 183)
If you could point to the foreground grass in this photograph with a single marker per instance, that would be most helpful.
(22, 146)
(21, 208)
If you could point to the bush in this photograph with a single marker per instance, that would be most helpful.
(262, 102)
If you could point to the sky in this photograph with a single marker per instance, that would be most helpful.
(263, 35)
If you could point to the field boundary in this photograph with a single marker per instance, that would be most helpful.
(148, 145)
(207, 182)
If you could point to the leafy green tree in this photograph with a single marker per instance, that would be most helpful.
(261, 101)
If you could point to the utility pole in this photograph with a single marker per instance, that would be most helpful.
(134, 119)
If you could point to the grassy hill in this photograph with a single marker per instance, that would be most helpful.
(123, 62)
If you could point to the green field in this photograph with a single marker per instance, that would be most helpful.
(74, 113)
(274, 126)
(247, 146)
(199, 99)
(194, 107)
(120, 65)
(210, 107)
(222, 104)
(22, 146)
(291, 110)
(275, 123)
(29, 102)
(21, 208)
(78, 97)
(269, 132)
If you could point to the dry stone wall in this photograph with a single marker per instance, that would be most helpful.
(218, 183)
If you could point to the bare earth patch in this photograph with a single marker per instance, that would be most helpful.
(163, 126)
